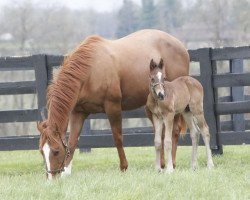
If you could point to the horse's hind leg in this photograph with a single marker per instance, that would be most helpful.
(201, 122)
(76, 122)
(113, 111)
(194, 134)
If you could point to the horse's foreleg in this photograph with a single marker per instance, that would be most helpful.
(76, 122)
(113, 111)
(194, 134)
(206, 138)
(158, 124)
(168, 122)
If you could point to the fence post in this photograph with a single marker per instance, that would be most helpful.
(41, 75)
(237, 94)
(206, 73)
(85, 131)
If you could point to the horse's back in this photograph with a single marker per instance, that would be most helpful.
(155, 44)
(134, 53)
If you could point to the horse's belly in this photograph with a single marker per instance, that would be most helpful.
(133, 100)
(87, 107)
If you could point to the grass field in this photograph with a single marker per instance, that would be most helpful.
(96, 176)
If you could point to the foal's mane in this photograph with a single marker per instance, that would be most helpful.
(63, 91)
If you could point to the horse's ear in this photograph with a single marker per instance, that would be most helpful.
(161, 64)
(153, 65)
(43, 110)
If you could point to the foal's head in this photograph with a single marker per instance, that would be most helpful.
(53, 149)
(157, 77)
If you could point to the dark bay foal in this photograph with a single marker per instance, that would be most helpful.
(184, 96)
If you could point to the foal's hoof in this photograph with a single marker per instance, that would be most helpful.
(170, 171)
(210, 165)
(162, 165)
(174, 165)
(159, 170)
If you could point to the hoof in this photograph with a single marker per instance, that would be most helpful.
(174, 165)
(162, 165)
(159, 170)
(210, 165)
(67, 170)
(170, 171)
(123, 168)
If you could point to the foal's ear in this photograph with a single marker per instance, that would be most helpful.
(161, 64)
(153, 65)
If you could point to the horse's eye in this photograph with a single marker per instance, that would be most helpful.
(55, 152)
(152, 79)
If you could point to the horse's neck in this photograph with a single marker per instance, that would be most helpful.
(58, 120)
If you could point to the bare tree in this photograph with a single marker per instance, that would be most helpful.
(21, 23)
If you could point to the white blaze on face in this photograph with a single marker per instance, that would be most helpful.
(159, 75)
(46, 151)
(160, 88)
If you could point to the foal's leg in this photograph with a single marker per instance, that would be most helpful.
(158, 125)
(162, 148)
(150, 116)
(194, 134)
(175, 137)
(206, 138)
(168, 122)
(113, 111)
(76, 122)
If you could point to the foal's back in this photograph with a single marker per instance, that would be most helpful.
(187, 91)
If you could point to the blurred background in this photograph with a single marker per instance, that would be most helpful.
(30, 27)
(56, 27)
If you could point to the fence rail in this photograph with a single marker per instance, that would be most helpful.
(234, 131)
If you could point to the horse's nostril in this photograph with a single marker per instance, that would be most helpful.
(161, 96)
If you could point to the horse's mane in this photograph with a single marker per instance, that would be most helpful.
(63, 91)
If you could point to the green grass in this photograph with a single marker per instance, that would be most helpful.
(96, 176)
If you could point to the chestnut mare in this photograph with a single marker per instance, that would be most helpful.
(183, 95)
(103, 76)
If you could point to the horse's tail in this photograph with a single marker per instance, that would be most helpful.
(182, 125)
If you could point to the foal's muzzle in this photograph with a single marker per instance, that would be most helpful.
(160, 96)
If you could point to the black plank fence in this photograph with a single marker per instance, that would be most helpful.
(236, 105)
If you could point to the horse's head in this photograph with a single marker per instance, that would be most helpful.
(53, 148)
(157, 77)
